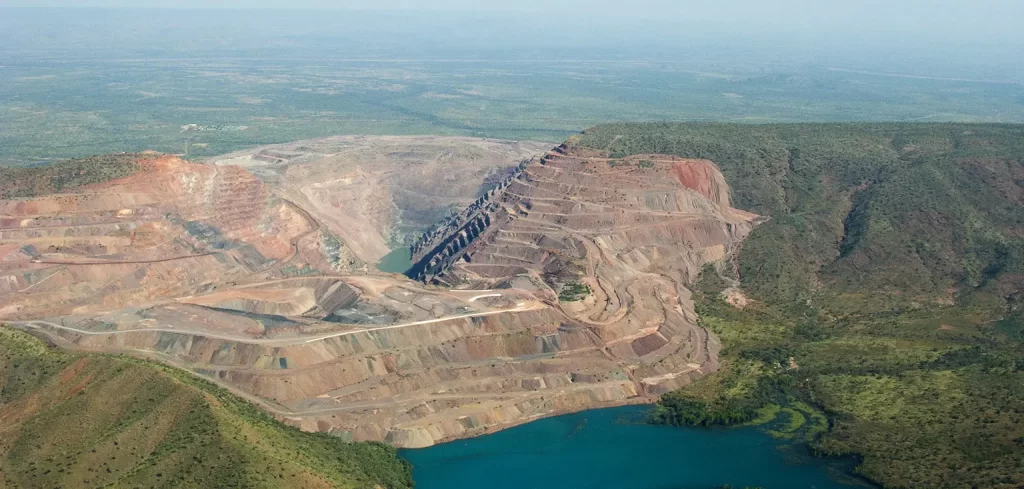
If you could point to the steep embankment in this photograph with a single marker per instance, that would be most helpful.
(373, 192)
(630, 235)
(885, 290)
(70, 420)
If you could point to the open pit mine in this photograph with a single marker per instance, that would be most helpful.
(255, 270)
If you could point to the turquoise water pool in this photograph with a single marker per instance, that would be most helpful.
(398, 261)
(614, 449)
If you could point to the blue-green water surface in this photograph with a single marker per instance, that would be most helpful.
(398, 261)
(614, 449)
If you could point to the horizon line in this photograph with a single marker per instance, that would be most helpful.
(288, 9)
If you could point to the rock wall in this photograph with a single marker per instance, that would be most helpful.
(435, 251)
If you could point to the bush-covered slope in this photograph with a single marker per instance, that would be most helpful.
(886, 212)
(77, 420)
(65, 175)
(885, 291)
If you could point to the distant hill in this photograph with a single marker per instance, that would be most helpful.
(885, 291)
(83, 420)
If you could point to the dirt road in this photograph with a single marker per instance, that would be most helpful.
(38, 324)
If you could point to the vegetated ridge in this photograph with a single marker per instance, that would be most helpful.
(885, 291)
(65, 175)
(88, 420)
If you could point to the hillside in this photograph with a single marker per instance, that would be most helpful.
(85, 420)
(885, 290)
(65, 175)
(858, 284)
(884, 209)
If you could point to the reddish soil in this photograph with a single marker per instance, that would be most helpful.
(698, 175)
(72, 370)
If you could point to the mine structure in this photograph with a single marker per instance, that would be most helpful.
(435, 251)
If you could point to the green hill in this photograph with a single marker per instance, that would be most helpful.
(82, 420)
(886, 292)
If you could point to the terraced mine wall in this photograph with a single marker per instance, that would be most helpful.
(543, 219)
(453, 246)
(376, 357)
(436, 250)
(560, 150)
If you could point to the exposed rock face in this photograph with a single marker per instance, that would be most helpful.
(438, 249)
(384, 358)
(652, 214)
(373, 191)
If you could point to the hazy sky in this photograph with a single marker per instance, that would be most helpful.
(1001, 15)
(978, 20)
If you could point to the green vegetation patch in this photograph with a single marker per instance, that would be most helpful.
(885, 312)
(74, 420)
(765, 415)
(574, 292)
(947, 401)
(67, 175)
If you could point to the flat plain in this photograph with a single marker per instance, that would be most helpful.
(78, 108)
(89, 82)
